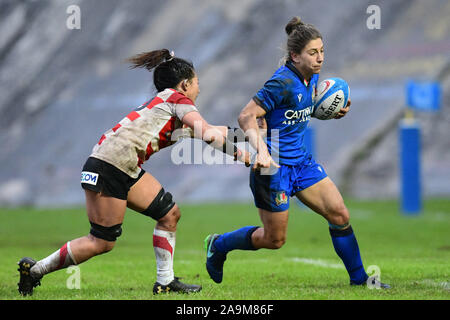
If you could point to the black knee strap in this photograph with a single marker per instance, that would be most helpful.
(106, 233)
(341, 233)
(160, 206)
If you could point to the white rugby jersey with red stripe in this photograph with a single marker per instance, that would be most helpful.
(144, 131)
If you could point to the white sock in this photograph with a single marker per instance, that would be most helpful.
(164, 247)
(62, 258)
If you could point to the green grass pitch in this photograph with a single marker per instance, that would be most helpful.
(412, 254)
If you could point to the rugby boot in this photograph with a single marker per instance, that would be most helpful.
(176, 286)
(214, 259)
(27, 282)
(373, 282)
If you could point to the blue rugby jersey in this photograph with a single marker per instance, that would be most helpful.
(288, 101)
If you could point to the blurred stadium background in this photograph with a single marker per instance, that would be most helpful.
(60, 89)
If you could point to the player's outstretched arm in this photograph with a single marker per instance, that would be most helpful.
(216, 136)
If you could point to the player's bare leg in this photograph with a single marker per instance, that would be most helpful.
(103, 211)
(149, 198)
(325, 199)
(273, 234)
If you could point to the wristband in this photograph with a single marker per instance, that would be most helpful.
(226, 149)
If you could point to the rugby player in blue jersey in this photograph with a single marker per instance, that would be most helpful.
(285, 103)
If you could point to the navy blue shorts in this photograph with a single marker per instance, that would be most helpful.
(272, 192)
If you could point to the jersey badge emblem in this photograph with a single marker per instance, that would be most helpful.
(281, 198)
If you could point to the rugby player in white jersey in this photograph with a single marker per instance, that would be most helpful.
(113, 179)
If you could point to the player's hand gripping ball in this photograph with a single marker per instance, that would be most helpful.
(332, 95)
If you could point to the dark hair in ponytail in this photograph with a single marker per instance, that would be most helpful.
(169, 70)
(299, 34)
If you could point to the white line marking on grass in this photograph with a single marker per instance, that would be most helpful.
(439, 216)
(435, 284)
(319, 262)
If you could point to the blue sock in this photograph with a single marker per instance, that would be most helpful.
(238, 239)
(347, 249)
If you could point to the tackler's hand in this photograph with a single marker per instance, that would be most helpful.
(245, 157)
(344, 111)
(264, 160)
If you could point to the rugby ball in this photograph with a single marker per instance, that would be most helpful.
(332, 95)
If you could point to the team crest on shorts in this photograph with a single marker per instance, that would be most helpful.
(281, 198)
